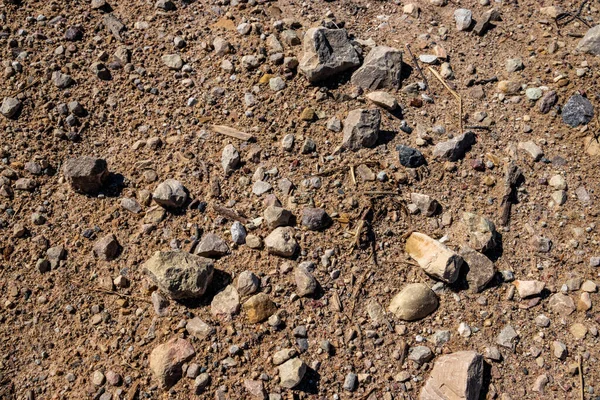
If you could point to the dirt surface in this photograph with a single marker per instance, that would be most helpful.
(61, 326)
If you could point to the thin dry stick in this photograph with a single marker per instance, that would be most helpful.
(460, 108)
(581, 378)
(231, 132)
(25, 88)
(352, 175)
(418, 67)
(127, 296)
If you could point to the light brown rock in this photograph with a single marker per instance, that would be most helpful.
(436, 259)
(456, 376)
(167, 359)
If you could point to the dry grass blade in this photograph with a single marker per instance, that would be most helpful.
(232, 132)
(580, 379)
(460, 107)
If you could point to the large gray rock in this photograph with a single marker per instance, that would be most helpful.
(179, 274)
(456, 376)
(86, 174)
(382, 68)
(480, 269)
(414, 302)
(327, 52)
(10, 107)
(170, 194)
(291, 373)
(590, 43)
(281, 242)
(577, 111)
(361, 129)
(212, 246)
(454, 149)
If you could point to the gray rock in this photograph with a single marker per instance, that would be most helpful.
(291, 373)
(166, 5)
(440, 338)
(10, 107)
(221, 46)
(409, 157)
(201, 382)
(261, 187)
(481, 232)
(86, 174)
(173, 61)
(532, 149)
(107, 248)
(382, 68)
(159, 303)
(170, 194)
(281, 242)
(238, 233)
(415, 301)
(315, 219)
(454, 149)
(420, 354)
(327, 52)
(199, 329)
(247, 283)
(361, 129)
(425, 204)
(131, 205)
(283, 355)
(508, 338)
(559, 349)
(230, 158)
(480, 269)
(577, 111)
(455, 376)
(277, 216)
(179, 274)
(514, 64)
(61, 81)
(306, 284)
(350, 382)
(590, 43)
(276, 84)
(212, 246)
(561, 304)
(463, 18)
(334, 124)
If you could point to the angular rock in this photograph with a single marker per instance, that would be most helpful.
(277, 216)
(86, 174)
(532, 149)
(61, 81)
(315, 219)
(238, 233)
(590, 43)
(107, 248)
(454, 149)
(170, 194)
(414, 302)
(425, 204)
(212, 246)
(173, 61)
(420, 354)
(383, 99)
(482, 234)
(167, 359)
(561, 304)
(230, 158)
(456, 376)
(529, 288)
(291, 373)
(547, 102)
(382, 68)
(480, 269)
(327, 52)
(281, 242)
(306, 284)
(409, 157)
(259, 307)
(199, 329)
(10, 107)
(247, 283)
(179, 274)
(436, 259)
(508, 338)
(361, 129)
(577, 111)
(283, 355)
(255, 388)
(226, 303)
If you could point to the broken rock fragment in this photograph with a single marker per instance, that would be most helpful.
(454, 149)
(259, 307)
(327, 52)
(481, 231)
(456, 376)
(167, 359)
(361, 129)
(170, 194)
(291, 373)
(179, 274)
(86, 174)
(281, 242)
(212, 246)
(436, 259)
(382, 68)
(480, 269)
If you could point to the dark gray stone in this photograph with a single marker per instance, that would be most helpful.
(577, 111)
(315, 219)
(382, 68)
(409, 157)
(86, 174)
(361, 129)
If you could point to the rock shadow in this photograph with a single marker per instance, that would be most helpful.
(220, 281)
(310, 383)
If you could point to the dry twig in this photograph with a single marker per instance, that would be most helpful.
(418, 67)
(581, 379)
(456, 95)
(229, 213)
(232, 132)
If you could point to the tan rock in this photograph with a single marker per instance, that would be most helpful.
(529, 288)
(456, 376)
(414, 302)
(259, 307)
(167, 359)
(436, 259)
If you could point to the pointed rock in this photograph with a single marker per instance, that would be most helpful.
(436, 259)
(167, 359)
(382, 68)
(456, 376)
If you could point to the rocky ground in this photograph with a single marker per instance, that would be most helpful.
(343, 199)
